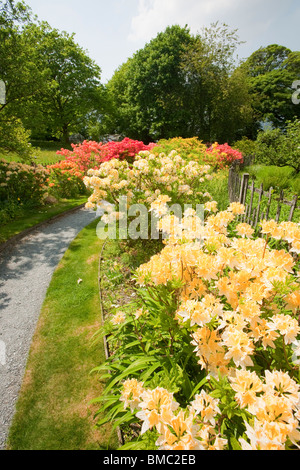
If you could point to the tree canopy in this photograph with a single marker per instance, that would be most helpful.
(178, 84)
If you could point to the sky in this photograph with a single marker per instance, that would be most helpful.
(111, 31)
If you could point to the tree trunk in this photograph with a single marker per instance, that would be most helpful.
(65, 135)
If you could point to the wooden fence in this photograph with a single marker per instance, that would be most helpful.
(239, 187)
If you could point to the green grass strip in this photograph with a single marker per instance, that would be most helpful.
(33, 217)
(53, 409)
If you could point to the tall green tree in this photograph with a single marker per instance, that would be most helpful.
(271, 72)
(182, 85)
(151, 87)
(280, 148)
(20, 73)
(216, 94)
(73, 91)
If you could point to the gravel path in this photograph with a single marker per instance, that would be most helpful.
(26, 269)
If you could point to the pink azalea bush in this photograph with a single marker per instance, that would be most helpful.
(91, 154)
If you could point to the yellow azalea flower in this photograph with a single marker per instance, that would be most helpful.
(247, 386)
(287, 326)
(118, 318)
(244, 230)
(271, 227)
(90, 205)
(206, 407)
(131, 393)
(239, 346)
(262, 436)
(261, 332)
(236, 208)
(211, 206)
(281, 384)
(157, 406)
(179, 433)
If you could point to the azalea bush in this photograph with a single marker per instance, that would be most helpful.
(22, 183)
(161, 178)
(90, 154)
(66, 180)
(219, 156)
(222, 156)
(208, 356)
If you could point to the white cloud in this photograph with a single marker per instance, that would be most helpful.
(252, 18)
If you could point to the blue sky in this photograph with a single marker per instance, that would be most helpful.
(112, 30)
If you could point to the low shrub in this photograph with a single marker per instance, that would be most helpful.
(65, 180)
(222, 155)
(91, 154)
(22, 183)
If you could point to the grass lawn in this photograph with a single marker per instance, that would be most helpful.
(44, 153)
(32, 217)
(53, 409)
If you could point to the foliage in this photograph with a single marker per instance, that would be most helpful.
(73, 81)
(147, 91)
(21, 74)
(208, 358)
(275, 147)
(246, 146)
(21, 182)
(222, 156)
(216, 92)
(181, 85)
(151, 175)
(271, 72)
(14, 138)
(91, 154)
(65, 180)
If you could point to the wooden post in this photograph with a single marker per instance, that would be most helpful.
(280, 200)
(231, 183)
(261, 192)
(269, 203)
(244, 188)
(252, 189)
(293, 207)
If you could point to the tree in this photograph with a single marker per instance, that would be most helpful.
(182, 85)
(271, 73)
(73, 89)
(280, 148)
(216, 93)
(21, 74)
(151, 85)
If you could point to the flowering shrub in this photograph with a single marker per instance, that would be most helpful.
(91, 154)
(66, 180)
(149, 176)
(187, 148)
(223, 156)
(22, 183)
(209, 357)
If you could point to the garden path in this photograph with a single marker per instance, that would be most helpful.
(26, 268)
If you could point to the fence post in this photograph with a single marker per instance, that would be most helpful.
(280, 200)
(293, 207)
(244, 187)
(261, 192)
(231, 177)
